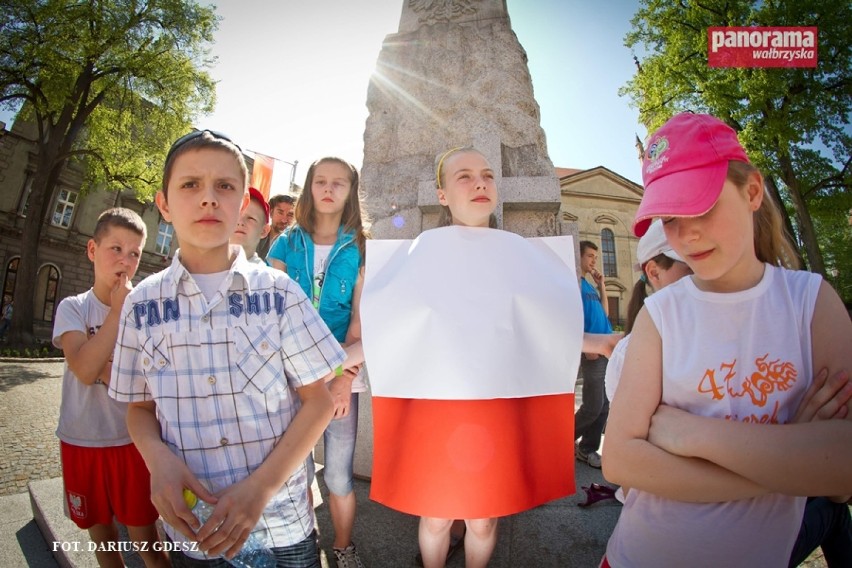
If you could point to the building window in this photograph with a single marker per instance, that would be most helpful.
(608, 253)
(47, 288)
(64, 210)
(9, 282)
(25, 197)
(164, 238)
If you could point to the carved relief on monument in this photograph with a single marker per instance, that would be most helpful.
(439, 11)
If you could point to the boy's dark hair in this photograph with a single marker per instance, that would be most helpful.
(281, 198)
(587, 244)
(198, 140)
(119, 217)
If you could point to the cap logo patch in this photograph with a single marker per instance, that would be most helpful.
(654, 155)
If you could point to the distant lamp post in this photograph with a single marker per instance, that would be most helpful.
(293, 166)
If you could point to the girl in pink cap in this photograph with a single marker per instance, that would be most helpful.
(740, 340)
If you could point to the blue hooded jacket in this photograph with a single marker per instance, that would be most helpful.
(295, 249)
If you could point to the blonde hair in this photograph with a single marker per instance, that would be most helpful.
(354, 217)
(772, 244)
(446, 217)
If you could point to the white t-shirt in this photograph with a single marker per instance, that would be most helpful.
(321, 253)
(741, 356)
(87, 415)
(614, 366)
(209, 283)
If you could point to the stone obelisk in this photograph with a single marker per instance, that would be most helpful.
(454, 75)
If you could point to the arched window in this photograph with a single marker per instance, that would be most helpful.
(47, 287)
(608, 253)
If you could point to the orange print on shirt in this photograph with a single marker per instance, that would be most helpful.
(766, 379)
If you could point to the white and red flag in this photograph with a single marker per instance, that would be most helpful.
(472, 338)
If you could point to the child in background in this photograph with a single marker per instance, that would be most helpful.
(103, 474)
(212, 353)
(660, 266)
(252, 226)
(740, 339)
(324, 253)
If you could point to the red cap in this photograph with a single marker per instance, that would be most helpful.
(684, 167)
(258, 196)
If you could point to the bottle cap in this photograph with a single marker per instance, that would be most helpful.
(189, 498)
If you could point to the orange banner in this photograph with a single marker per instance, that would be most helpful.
(261, 174)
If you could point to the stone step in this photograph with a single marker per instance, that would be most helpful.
(21, 543)
(71, 546)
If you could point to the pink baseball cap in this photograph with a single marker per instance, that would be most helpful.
(684, 167)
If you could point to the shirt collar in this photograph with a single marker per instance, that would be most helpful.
(241, 265)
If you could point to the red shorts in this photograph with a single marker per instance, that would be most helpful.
(102, 483)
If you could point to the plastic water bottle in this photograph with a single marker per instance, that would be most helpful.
(253, 554)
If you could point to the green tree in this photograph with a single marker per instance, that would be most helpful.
(794, 123)
(108, 83)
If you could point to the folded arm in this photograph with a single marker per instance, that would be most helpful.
(630, 459)
(810, 458)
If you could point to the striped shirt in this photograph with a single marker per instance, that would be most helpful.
(222, 374)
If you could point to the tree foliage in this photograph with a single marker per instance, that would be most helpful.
(107, 83)
(794, 122)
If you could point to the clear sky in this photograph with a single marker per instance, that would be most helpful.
(292, 78)
(294, 75)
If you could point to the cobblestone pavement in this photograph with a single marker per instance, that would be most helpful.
(30, 393)
(29, 411)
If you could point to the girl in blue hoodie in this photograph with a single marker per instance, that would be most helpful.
(324, 253)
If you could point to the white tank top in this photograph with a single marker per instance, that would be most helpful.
(742, 356)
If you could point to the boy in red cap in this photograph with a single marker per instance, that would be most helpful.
(253, 226)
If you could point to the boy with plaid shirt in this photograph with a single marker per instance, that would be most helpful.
(208, 351)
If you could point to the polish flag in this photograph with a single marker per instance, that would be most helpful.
(472, 338)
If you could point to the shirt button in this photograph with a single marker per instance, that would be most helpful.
(161, 362)
(145, 361)
(224, 441)
(211, 379)
(264, 345)
(205, 319)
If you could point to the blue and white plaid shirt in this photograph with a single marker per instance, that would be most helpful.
(222, 375)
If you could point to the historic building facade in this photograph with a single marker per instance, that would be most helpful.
(63, 269)
(603, 205)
